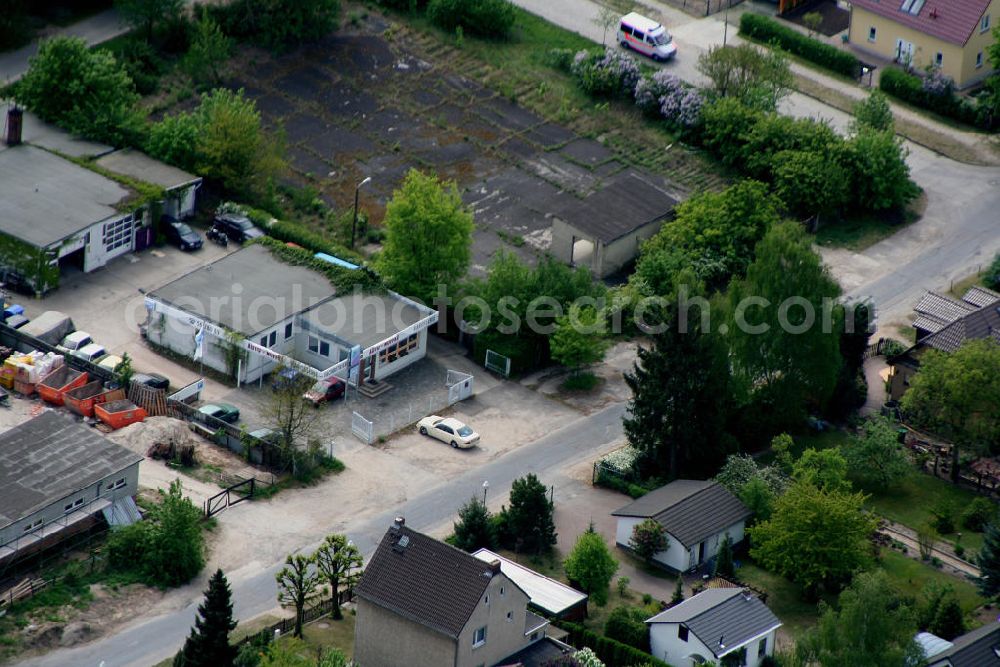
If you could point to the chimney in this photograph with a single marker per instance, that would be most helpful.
(15, 117)
(495, 567)
(398, 522)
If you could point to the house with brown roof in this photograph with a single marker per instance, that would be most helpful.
(944, 324)
(952, 35)
(696, 516)
(422, 602)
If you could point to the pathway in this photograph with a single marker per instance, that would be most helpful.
(941, 550)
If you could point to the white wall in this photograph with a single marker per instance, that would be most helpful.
(675, 556)
(667, 646)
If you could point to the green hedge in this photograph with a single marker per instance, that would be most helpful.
(910, 88)
(613, 653)
(769, 31)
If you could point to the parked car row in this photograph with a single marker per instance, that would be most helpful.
(225, 227)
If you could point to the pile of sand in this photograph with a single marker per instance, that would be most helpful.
(155, 432)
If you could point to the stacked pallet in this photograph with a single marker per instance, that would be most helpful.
(25, 589)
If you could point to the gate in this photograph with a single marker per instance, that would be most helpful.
(220, 501)
(497, 363)
(459, 386)
(362, 428)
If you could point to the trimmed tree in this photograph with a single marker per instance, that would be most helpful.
(298, 585)
(988, 561)
(529, 518)
(474, 529)
(428, 236)
(340, 563)
(208, 644)
(724, 566)
(648, 539)
(678, 595)
(592, 566)
(577, 342)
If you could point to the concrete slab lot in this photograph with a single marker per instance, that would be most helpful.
(357, 105)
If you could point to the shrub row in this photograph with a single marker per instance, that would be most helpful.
(613, 653)
(485, 18)
(611, 481)
(767, 30)
(910, 88)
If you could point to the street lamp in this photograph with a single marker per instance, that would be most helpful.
(354, 225)
(486, 487)
(725, 29)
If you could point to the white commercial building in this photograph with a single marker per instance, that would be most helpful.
(249, 313)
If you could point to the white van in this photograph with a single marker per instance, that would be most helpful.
(646, 36)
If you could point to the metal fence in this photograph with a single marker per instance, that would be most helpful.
(363, 428)
(497, 363)
(459, 386)
(704, 7)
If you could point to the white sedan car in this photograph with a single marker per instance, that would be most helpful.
(449, 430)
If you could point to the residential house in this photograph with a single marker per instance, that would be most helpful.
(423, 603)
(978, 648)
(551, 598)
(59, 477)
(284, 315)
(951, 35)
(695, 514)
(605, 230)
(719, 624)
(58, 212)
(944, 324)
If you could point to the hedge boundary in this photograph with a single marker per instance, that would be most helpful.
(611, 651)
(909, 88)
(769, 31)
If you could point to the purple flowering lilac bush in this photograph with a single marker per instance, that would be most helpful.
(608, 74)
(664, 94)
(938, 83)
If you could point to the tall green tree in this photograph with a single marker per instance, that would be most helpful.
(85, 92)
(529, 518)
(474, 529)
(871, 628)
(956, 395)
(648, 538)
(680, 395)
(591, 565)
(428, 237)
(298, 585)
(210, 48)
(988, 561)
(577, 341)
(873, 113)
(340, 563)
(724, 566)
(816, 538)
(208, 644)
(784, 327)
(810, 183)
(758, 498)
(146, 14)
(881, 176)
(874, 457)
(758, 78)
(825, 469)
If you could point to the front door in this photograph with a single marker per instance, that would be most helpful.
(904, 52)
(701, 553)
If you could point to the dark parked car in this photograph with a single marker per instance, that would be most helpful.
(181, 235)
(224, 411)
(154, 380)
(325, 390)
(237, 227)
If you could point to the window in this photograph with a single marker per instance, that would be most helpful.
(33, 526)
(273, 338)
(501, 591)
(288, 331)
(510, 616)
(117, 484)
(871, 34)
(479, 637)
(639, 35)
(984, 24)
(263, 341)
(979, 59)
(912, 6)
(486, 600)
(762, 648)
(625, 29)
(682, 633)
(320, 347)
(534, 636)
(73, 505)
(938, 59)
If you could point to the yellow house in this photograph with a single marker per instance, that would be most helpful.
(952, 35)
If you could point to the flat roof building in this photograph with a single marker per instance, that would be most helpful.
(57, 475)
(282, 314)
(552, 598)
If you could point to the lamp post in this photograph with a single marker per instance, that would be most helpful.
(354, 225)
(725, 29)
(486, 487)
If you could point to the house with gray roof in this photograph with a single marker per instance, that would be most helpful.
(714, 624)
(58, 477)
(422, 602)
(604, 230)
(945, 324)
(696, 516)
(978, 648)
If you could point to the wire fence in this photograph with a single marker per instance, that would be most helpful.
(286, 625)
(703, 7)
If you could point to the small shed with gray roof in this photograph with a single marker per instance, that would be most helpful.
(605, 230)
(711, 625)
(696, 515)
(57, 477)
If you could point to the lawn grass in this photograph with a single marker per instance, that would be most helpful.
(784, 598)
(862, 231)
(910, 503)
(910, 577)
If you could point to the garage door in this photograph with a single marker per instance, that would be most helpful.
(117, 237)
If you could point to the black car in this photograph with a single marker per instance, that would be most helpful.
(237, 227)
(154, 380)
(181, 235)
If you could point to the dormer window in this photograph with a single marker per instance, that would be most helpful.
(912, 6)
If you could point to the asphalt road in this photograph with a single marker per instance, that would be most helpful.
(152, 640)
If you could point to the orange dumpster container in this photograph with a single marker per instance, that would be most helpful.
(58, 382)
(82, 400)
(118, 414)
